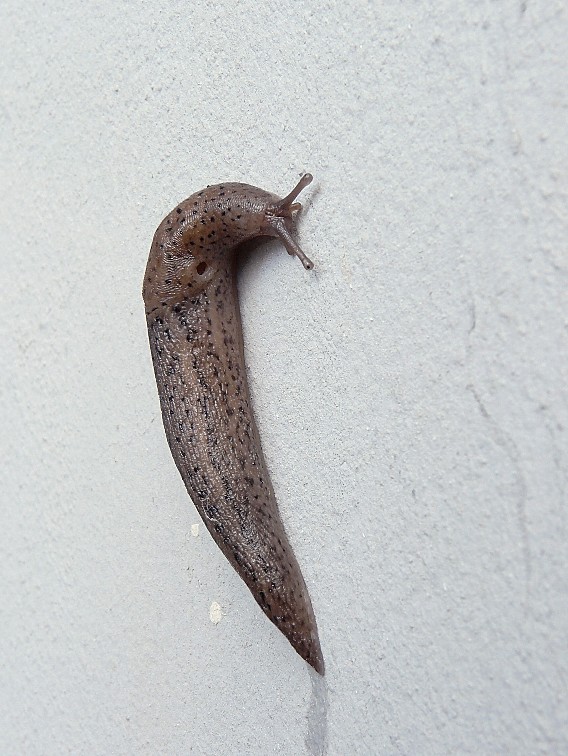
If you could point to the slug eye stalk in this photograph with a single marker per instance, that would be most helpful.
(279, 222)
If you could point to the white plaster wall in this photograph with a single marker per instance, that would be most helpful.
(410, 391)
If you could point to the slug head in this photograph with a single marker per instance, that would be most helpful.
(196, 242)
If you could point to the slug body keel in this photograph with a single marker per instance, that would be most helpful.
(195, 334)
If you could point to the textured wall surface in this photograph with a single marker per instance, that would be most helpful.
(411, 391)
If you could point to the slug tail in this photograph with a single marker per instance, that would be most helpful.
(288, 606)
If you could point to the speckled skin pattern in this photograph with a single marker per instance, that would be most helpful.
(194, 327)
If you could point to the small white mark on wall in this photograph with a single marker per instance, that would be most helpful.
(215, 613)
(195, 529)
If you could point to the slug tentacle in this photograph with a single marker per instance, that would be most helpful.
(306, 179)
(278, 221)
(196, 342)
(280, 230)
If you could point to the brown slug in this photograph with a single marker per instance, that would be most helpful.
(194, 327)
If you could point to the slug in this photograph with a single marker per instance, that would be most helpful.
(194, 327)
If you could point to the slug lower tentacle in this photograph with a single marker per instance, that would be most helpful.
(194, 327)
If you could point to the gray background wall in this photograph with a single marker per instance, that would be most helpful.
(410, 391)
